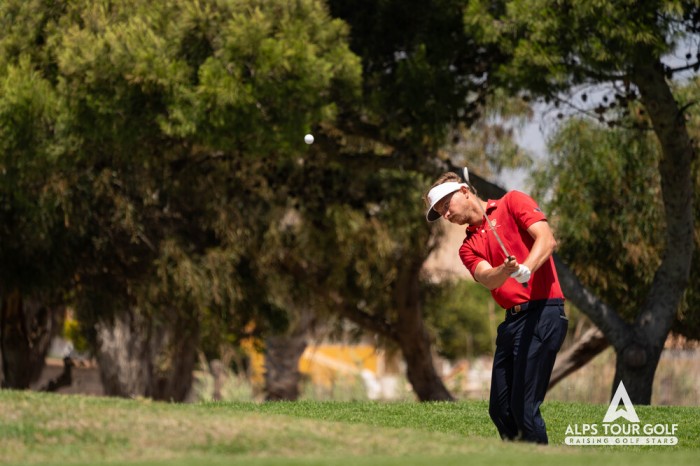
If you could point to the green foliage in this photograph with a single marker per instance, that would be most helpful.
(349, 246)
(605, 202)
(422, 72)
(165, 139)
(222, 74)
(606, 209)
(462, 316)
(688, 319)
(489, 144)
(146, 131)
(32, 196)
(606, 184)
(553, 45)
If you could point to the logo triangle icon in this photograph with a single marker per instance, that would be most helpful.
(627, 412)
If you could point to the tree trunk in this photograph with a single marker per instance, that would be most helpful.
(414, 340)
(27, 326)
(174, 356)
(591, 344)
(282, 376)
(122, 355)
(282, 354)
(639, 353)
(409, 332)
(218, 371)
(138, 356)
(635, 366)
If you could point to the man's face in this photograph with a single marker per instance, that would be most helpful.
(458, 208)
(443, 204)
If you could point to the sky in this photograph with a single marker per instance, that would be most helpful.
(532, 137)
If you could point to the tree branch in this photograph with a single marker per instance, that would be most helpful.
(602, 315)
(591, 344)
(691, 66)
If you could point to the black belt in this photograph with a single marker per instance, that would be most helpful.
(531, 304)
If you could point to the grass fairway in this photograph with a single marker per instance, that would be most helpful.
(52, 429)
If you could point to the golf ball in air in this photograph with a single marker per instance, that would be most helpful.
(309, 139)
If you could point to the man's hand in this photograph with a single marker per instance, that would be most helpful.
(493, 277)
(522, 274)
(511, 266)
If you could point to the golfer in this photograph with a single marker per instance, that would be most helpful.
(525, 285)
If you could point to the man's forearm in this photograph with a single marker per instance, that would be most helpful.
(542, 249)
(493, 277)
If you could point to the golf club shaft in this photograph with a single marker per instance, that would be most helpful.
(493, 229)
(465, 175)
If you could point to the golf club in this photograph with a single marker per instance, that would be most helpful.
(465, 175)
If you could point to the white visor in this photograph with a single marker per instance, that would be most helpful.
(438, 193)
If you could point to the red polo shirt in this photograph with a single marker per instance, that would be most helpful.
(511, 215)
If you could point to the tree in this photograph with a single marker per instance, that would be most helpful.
(423, 75)
(418, 78)
(606, 205)
(33, 253)
(354, 251)
(559, 46)
(380, 260)
(176, 142)
(162, 117)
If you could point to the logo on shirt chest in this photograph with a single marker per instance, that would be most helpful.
(485, 226)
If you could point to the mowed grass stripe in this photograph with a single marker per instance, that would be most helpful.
(52, 429)
(504, 458)
(470, 418)
(463, 418)
(41, 428)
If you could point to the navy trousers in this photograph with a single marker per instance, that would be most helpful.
(526, 347)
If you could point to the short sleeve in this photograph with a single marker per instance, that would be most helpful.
(469, 257)
(524, 209)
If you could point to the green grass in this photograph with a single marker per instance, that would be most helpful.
(52, 429)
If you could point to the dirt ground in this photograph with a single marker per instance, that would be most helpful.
(85, 376)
